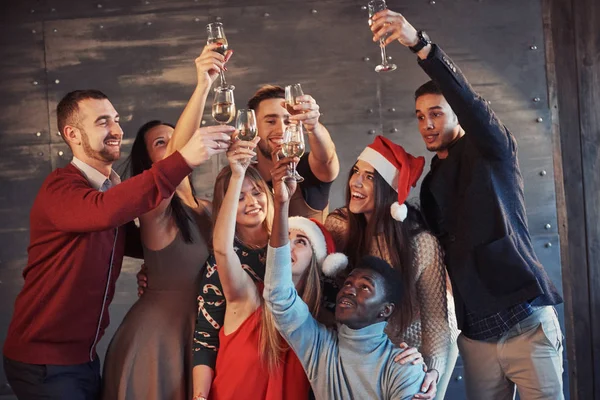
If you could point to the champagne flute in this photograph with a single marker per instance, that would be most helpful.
(245, 123)
(293, 146)
(216, 34)
(223, 109)
(374, 7)
(292, 92)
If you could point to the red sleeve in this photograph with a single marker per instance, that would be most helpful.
(74, 206)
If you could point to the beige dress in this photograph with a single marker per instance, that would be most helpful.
(150, 356)
(434, 329)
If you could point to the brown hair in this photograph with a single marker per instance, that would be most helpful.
(391, 238)
(271, 345)
(68, 108)
(264, 93)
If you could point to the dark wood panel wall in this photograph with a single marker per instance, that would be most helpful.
(572, 30)
(141, 52)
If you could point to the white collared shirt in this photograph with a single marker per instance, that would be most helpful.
(96, 178)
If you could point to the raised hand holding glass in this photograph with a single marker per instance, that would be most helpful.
(245, 123)
(374, 7)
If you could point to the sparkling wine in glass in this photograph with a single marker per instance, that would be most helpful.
(245, 123)
(292, 92)
(223, 109)
(293, 146)
(374, 6)
(216, 34)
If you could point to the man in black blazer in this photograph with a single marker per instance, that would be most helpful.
(472, 199)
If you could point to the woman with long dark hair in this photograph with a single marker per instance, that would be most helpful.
(150, 356)
(379, 184)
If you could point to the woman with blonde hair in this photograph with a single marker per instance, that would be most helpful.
(252, 359)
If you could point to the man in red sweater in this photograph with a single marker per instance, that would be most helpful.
(76, 248)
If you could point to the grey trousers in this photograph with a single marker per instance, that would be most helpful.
(528, 357)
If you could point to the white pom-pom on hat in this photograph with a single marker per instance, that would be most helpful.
(322, 244)
(399, 211)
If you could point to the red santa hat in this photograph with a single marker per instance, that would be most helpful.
(322, 244)
(400, 170)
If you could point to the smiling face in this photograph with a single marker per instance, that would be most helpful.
(438, 124)
(272, 118)
(156, 140)
(362, 189)
(362, 301)
(97, 131)
(252, 206)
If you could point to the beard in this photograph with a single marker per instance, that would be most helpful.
(103, 155)
(265, 148)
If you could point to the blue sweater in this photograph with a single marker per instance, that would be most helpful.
(343, 364)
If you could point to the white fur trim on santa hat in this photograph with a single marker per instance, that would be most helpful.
(334, 263)
(314, 235)
(399, 211)
(386, 169)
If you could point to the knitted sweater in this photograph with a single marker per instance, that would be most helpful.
(343, 364)
(75, 255)
(434, 328)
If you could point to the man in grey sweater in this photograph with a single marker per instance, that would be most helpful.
(357, 360)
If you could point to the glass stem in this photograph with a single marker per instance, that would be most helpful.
(383, 55)
(223, 82)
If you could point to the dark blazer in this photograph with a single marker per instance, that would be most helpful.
(473, 200)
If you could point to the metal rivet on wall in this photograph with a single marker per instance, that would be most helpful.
(101, 26)
(539, 119)
(148, 23)
(99, 5)
(54, 30)
(203, 122)
(536, 99)
(432, 2)
(459, 378)
(57, 81)
(60, 153)
(35, 83)
(196, 19)
(370, 111)
(218, 18)
(147, 2)
(40, 153)
(366, 59)
(33, 31)
(371, 131)
(533, 47)
(542, 173)
(392, 109)
(548, 245)
(394, 130)
(389, 58)
(313, 11)
(58, 134)
(38, 134)
(364, 8)
(266, 15)
(32, 11)
(547, 226)
(53, 10)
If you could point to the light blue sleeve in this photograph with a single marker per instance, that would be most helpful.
(406, 381)
(309, 339)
